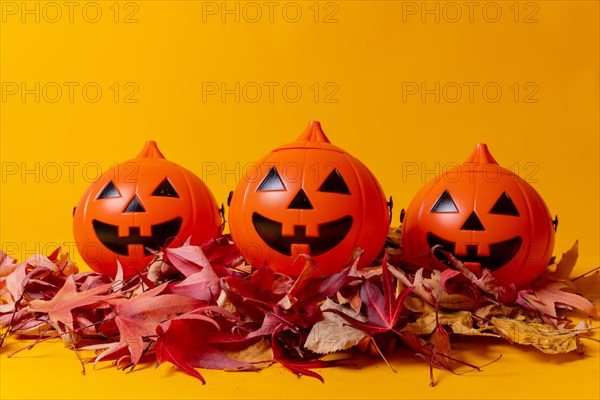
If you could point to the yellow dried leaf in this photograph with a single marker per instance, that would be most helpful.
(544, 337)
(416, 304)
(461, 323)
(456, 301)
(493, 310)
(260, 353)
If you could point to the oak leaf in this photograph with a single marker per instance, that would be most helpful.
(333, 333)
(546, 296)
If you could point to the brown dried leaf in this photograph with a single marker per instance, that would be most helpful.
(441, 343)
(565, 266)
(394, 244)
(544, 337)
(353, 300)
(457, 301)
(416, 304)
(589, 287)
(431, 290)
(494, 310)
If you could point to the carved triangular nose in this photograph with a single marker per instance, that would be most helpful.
(473, 223)
(300, 202)
(134, 206)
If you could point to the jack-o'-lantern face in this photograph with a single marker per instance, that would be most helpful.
(329, 234)
(308, 197)
(160, 232)
(140, 205)
(486, 216)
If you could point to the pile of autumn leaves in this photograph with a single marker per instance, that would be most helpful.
(205, 308)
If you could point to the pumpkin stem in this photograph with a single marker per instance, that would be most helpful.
(481, 155)
(313, 133)
(150, 150)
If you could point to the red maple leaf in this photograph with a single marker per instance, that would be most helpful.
(290, 311)
(137, 318)
(285, 344)
(194, 341)
(222, 252)
(186, 259)
(219, 253)
(256, 294)
(203, 285)
(383, 309)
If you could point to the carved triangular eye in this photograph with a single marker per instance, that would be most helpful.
(110, 191)
(334, 183)
(165, 189)
(272, 182)
(504, 206)
(444, 204)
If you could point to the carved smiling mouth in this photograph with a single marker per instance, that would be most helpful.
(109, 236)
(330, 235)
(500, 252)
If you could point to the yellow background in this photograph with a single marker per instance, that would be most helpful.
(364, 57)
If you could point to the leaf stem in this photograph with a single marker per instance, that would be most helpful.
(56, 336)
(587, 273)
(12, 319)
(382, 356)
(478, 368)
(475, 367)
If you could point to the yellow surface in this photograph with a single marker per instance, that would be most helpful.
(367, 60)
